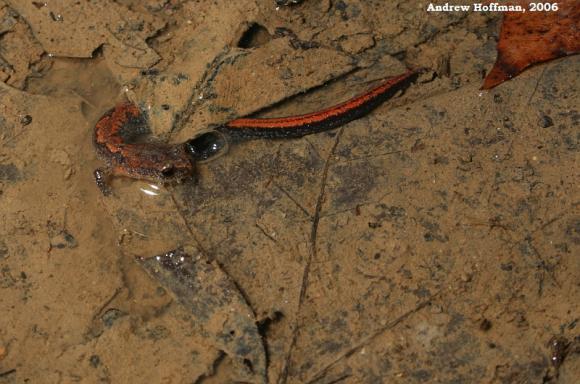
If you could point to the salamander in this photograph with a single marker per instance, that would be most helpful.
(117, 131)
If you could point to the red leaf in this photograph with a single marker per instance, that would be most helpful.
(527, 38)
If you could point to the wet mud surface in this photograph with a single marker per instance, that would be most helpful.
(435, 240)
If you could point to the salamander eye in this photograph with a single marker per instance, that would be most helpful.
(168, 170)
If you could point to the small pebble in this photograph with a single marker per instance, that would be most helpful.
(485, 325)
(95, 361)
(25, 120)
(546, 121)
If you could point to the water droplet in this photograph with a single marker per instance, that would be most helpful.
(207, 146)
(150, 192)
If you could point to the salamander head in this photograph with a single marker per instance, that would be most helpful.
(176, 165)
(165, 163)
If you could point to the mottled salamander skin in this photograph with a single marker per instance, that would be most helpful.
(114, 137)
(116, 131)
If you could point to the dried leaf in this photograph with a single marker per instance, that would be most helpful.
(528, 38)
(217, 307)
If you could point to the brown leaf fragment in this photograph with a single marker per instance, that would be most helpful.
(216, 305)
(528, 38)
(77, 29)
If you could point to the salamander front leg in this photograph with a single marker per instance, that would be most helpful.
(101, 176)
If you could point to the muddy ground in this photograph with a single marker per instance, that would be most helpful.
(435, 240)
